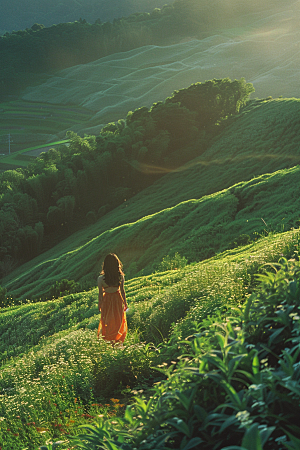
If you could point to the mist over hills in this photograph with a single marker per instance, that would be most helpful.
(263, 48)
(16, 15)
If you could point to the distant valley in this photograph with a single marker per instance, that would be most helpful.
(265, 52)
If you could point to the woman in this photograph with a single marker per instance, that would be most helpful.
(112, 300)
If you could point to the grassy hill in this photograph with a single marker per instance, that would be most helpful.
(32, 124)
(211, 257)
(208, 329)
(228, 203)
(56, 376)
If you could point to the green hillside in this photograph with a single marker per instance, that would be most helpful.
(208, 329)
(197, 193)
(31, 124)
(56, 375)
(141, 59)
(163, 219)
(196, 229)
(123, 81)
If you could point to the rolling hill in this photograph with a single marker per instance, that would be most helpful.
(233, 195)
(113, 85)
(212, 354)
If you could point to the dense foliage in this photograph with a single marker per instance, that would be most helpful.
(52, 197)
(241, 394)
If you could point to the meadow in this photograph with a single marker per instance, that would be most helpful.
(210, 252)
(32, 125)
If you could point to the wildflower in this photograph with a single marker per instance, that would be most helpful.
(115, 400)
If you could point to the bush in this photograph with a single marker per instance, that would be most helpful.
(172, 262)
(64, 287)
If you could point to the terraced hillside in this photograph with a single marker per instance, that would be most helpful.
(263, 48)
(33, 123)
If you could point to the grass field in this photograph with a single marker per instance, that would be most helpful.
(196, 229)
(22, 158)
(211, 359)
(32, 124)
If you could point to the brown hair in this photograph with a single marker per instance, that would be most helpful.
(112, 270)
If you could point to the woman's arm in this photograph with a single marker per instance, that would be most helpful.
(123, 293)
(100, 297)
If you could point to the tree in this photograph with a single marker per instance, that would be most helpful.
(177, 120)
(213, 100)
(37, 27)
(66, 205)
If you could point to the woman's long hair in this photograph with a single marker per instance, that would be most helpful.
(112, 270)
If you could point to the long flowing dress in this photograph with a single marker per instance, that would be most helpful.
(113, 323)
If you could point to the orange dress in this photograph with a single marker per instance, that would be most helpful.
(113, 323)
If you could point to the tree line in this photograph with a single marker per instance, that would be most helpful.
(67, 188)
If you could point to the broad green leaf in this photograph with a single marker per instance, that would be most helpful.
(265, 434)
(180, 425)
(252, 439)
(200, 412)
(255, 365)
(275, 334)
(228, 422)
(248, 306)
(184, 399)
(192, 443)
(294, 444)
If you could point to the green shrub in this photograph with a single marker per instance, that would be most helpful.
(172, 262)
(64, 287)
